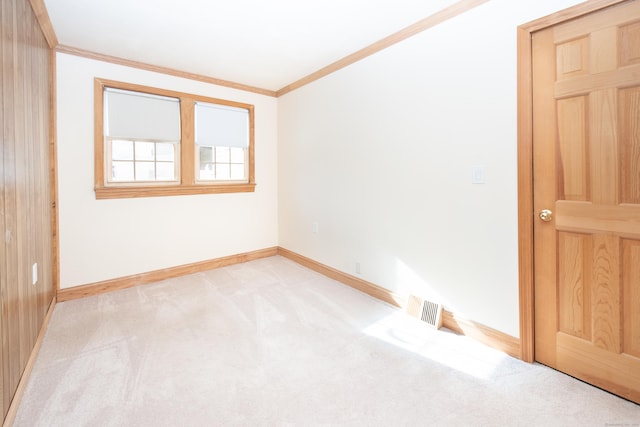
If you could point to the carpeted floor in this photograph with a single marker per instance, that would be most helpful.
(271, 343)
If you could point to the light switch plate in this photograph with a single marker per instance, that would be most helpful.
(478, 175)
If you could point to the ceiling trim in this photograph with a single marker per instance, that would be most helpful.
(42, 16)
(431, 21)
(158, 69)
(420, 26)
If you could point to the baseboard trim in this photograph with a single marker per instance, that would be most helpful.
(17, 397)
(479, 332)
(488, 336)
(484, 334)
(97, 288)
(347, 279)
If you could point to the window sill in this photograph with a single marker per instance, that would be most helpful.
(124, 192)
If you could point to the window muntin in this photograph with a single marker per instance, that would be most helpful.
(142, 161)
(222, 163)
(156, 165)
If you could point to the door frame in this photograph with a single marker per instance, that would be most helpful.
(525, 164)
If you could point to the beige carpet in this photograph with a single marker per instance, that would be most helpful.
(270, 343)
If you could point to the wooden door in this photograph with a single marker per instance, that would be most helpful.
(586, 137)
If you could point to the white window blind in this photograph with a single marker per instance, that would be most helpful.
(221, 125)
(137, 115)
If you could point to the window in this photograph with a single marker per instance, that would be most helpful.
(155, 142)
(222, 140)
(141, 137)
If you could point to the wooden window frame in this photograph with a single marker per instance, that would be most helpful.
(187, 183)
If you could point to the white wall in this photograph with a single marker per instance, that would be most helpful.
(380, 155)
(105, 239)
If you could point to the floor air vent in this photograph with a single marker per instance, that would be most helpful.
(427, 311)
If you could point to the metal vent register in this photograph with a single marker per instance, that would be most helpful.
(427, 311)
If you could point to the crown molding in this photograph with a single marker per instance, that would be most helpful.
(42, 16)
(159, 69)
(420, 26)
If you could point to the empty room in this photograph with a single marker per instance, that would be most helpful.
(349, 213)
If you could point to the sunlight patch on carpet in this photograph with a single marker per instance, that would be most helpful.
(447, 349)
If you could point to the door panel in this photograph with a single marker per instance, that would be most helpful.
(574, 254)
(629, 99)
(631, 292)
(586, 127)
(572, 134)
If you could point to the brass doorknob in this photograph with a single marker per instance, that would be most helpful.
(546, 215)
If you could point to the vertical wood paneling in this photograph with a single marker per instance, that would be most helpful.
(11, 253)
(629, 116)
(606, 292)
(25, 190)
(23, 209)
(572, 133)
(6, 26)
(3, 269)
(574, 276)
(45, 187)
(631, 296)
(603, 133)
(49, 160)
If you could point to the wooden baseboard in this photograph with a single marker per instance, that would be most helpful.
(17, 397)
(349, 280)
(157, 275)
(486, 335)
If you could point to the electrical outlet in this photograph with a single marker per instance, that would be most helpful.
(34, 273)
(358, 271)
(314, 228)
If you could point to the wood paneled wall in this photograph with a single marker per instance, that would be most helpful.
(25, 190)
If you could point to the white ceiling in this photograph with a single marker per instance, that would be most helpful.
(263, 43)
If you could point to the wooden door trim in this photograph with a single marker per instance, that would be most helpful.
(525, 163)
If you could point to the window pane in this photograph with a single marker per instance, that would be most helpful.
(165, 152)
(207, 171)
(222, 171)
(121, 150)
(206, 155)
(237, 172)
(122, 171)
(222, 155)
(237, 155)
(145, 171)
(165, 171)
(145, 151)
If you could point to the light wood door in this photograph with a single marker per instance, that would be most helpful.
(586, 127)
